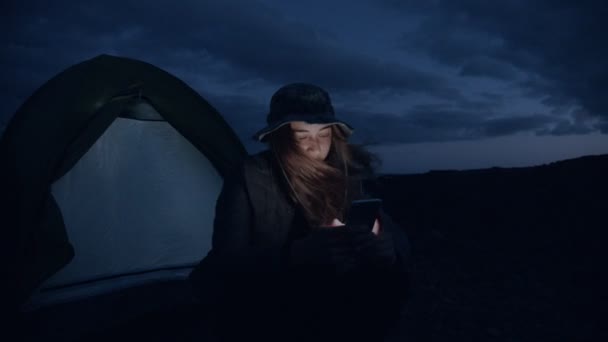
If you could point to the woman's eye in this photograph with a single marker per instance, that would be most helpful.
(324, 135)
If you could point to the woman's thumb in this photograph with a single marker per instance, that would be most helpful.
(336, 223)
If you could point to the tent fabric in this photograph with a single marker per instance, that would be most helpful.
(88, 115)
(145, 191)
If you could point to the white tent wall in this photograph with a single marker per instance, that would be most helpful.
(141, 199)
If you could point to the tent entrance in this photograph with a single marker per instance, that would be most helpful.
(142, 198)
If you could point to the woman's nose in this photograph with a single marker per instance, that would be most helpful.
(314, 144)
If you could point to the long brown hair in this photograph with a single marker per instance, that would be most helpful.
(320, 186)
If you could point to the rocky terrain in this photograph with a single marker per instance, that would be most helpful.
(505, 254)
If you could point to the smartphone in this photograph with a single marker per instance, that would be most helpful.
(363, 212)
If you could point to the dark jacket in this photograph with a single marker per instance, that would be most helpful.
(248, 286)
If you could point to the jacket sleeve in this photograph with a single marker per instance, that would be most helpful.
(392, 288)
(230, 236)
(228, 280)
(233, 217)
(402, 243)
(233, 252)
(400, 238)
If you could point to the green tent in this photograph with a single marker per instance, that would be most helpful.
(109, 172)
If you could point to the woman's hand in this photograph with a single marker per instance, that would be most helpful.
(329, 247)
(336, 223)
(375, 249)
(376, 229)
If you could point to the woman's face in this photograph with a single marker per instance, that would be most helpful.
(312, 139)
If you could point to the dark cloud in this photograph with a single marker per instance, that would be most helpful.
(422, 123)
(492, 97)
(603, 126)
(209, 42)
(246, 115)
(566, 127)
(516, 124)
(484, 67)
(549, 51)
(247, 36)
(442, 117)
(428, 123)
(559, 42)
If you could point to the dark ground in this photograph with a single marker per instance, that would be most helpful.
(505, 254)
(497, 255)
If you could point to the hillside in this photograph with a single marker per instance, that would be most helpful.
(504, 254)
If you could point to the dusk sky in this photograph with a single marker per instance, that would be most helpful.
(427, 84)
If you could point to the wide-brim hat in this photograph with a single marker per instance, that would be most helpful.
(300, 102)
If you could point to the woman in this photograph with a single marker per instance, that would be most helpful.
(283, 265)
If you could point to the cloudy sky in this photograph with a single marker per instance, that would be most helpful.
(427, 84)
